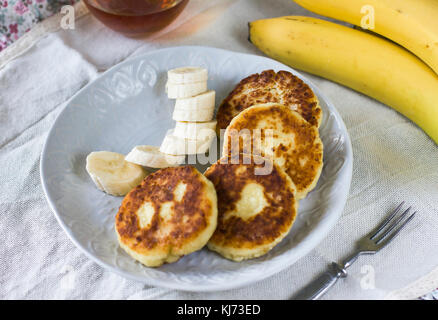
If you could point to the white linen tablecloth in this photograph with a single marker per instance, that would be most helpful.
(393, 161)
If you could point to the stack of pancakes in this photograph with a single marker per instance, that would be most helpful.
(247, 201)
(274, 116)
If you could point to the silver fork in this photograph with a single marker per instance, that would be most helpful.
(369, 244)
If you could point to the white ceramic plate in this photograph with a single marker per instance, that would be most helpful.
(127, 106)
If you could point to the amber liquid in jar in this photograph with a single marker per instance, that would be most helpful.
(136, 17)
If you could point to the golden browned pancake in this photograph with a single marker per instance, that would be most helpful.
(255, 212)
(173, 212)
(279, 133)
(268, 86)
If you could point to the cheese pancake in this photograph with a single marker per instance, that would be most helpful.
(270, 86)
(275, 131)
(173, 212)
(255, 212)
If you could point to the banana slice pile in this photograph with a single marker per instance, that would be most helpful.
(116, 174)
(193, 113)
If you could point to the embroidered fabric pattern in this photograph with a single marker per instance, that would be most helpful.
(19, 16)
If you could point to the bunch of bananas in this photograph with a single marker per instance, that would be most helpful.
(404, 80)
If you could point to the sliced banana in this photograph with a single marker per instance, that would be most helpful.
(151, 156)
(200, 102)
(181, 146)
(185, 90)
(194, 130)
(187, 75)
(193, 115)
(112, 174)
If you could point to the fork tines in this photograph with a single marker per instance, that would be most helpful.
(384, 232)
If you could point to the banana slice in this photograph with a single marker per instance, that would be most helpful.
(185, 90)
(201, 101)
(112, 174)
(193, 115)
(181, 146)
(150, 156)
(194, 130)
(187, 75)
(197, 108)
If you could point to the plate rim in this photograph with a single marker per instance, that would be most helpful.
(315, 237)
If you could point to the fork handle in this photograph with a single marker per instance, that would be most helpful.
(320, 285)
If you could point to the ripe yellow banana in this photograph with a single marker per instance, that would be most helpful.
(411, 23)
(366, 63)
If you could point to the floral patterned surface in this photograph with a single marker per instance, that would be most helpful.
(18, 16)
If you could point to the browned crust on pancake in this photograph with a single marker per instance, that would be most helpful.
(275, 219)
(268, 86)
(306, 144)
(191, 215)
